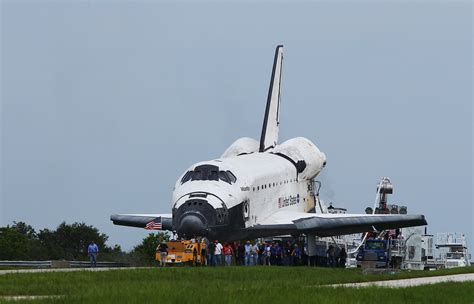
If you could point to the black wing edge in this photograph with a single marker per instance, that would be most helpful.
(141, 221)
(357, 224)
(323, 227)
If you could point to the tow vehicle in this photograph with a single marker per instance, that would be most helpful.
(374, 254)
(183, 252)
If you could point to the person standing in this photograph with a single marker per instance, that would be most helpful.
(273, 253)
(93, 252)
(261, 252)
(255, 254)
(163, 248)
(240, 254)
(228, 252)
(296, 255)
(204, 260)
(218, 253)
(331, 255)
(287, 260)
(267, 254)
(174, 236)
(211, 248)
(248, 253)
(278, 254)
(342, 257)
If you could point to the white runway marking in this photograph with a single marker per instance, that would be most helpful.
(412, 282)
(67, 269)
(19, 298)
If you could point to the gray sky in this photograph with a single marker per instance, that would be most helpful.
(105, 104)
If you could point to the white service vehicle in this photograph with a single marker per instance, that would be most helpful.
(452, 250)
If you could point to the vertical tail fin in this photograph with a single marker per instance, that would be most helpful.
(269, 136)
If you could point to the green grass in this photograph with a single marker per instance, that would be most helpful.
(231, 285)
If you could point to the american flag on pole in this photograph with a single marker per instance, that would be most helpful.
(154, 224)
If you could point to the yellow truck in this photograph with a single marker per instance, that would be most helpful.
(183, 252)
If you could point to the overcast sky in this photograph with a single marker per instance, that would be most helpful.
(105, 104)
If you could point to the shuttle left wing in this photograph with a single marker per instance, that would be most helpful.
(289, 222)
(158, 221)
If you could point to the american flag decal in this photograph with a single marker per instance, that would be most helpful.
(154, 224)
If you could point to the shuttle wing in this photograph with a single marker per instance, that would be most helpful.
(269, 137)
(287, 222)
(141, 220)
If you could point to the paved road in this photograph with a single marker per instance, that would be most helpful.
(412, 282)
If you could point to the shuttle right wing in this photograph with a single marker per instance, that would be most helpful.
(335, 224)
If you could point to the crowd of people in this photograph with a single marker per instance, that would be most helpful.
(272, 253)
(335, 258)
(250, 253)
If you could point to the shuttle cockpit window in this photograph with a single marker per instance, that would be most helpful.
(187, 177)
(197, 175)
(208, 172)
(223, 176)
(232, 177)
(213, 175)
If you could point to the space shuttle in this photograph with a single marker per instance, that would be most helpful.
(259, 189)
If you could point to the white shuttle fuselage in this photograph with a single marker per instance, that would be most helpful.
(244, 188)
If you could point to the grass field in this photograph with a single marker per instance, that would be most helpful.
(230, 285)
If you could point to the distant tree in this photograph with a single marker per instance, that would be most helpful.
(25, 230)
(51, 248)
(20, 242)
(114, 254)
(70, 241)
(13, 244)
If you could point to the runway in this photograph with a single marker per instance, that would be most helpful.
(411, 282)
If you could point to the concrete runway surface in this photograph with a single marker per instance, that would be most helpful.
(412, 282)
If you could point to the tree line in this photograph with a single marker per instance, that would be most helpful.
(20, 241)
